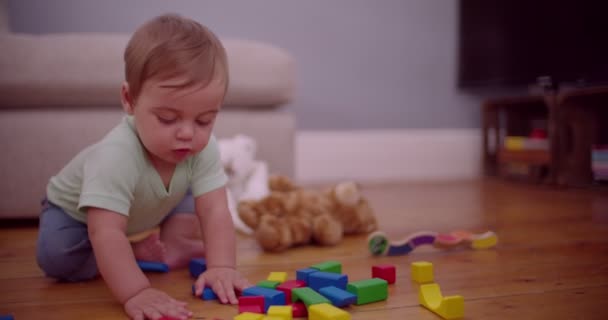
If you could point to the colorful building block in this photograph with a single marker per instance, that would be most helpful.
(254, 304)
(422, 272)
(249, 316)
(387, 272)
(277, 276)
(308, 296)
(282, 312)
(208, 294)
(272, 318)
(368, 291)
(328, 266)
(338, 297)
(268, 284)
(288, 285)
(430, 297)
(325, 311)
(303, 274)
(153, 266)
(271, 297)
(197, 266)
(299, 309)
(323, 279)
(6, 317)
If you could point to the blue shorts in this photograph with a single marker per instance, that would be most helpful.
(64, 251)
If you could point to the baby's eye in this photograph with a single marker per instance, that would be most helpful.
(203, 123)
(166, 120)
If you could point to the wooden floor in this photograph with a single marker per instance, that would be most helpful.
(551, 262)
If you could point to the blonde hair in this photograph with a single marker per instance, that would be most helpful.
(170, 45)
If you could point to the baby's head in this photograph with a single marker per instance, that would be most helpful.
(176, 74)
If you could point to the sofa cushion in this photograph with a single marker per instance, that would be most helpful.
(86, 69)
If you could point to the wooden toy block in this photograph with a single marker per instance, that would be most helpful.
(484, 241)
(325, 311)
(282, 312)
(277, 276)
(299, 309)
(323, 279)
(387, 272)
(422, 272)
(287, 286)
(368, 291)
(328, 266)
(249, 316)
(338, 297)
(308, 296)
(197, 266)
(208, 294)
(271, 297)
(254, 304)
(153, 266)
(272, 318)
(303, 274)
(430, 297)
(6, 317)
(268, 284)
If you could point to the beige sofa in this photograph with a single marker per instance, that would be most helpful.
(60, 92)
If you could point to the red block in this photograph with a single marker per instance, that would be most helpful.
(299, 309)
(253, 304)
(385, 271)
(286, 287)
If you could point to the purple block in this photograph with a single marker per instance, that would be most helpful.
(423, 240)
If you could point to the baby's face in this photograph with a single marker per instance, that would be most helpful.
(175, 123)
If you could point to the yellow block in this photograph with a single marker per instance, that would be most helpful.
(422, 272)
(325, 311)
(277, 276)
(282, 312)
(514, 143)
(272, 318)
(484, 241)
(249, 316)
(430, 297)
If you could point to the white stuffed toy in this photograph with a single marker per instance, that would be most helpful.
(247, 177)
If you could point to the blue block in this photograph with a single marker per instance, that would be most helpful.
(153, 266)
(208, 294)
(322, 279)
(303, 274)
(338, 297)
(6, 317)
(197, 266)
(271, 297)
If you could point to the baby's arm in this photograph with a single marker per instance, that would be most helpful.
(220, 243)
(117, 265)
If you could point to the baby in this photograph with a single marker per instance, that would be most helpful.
(160, 166)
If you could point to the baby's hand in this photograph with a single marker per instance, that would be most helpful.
(155, 304)
(223, 281)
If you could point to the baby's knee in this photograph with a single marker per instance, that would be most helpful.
(66, 259)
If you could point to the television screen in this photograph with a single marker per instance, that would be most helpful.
(511, 43)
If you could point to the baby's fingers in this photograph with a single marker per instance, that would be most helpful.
(199, 285)
(229, 289)
(220, 292)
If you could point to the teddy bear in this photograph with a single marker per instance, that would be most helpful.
(292, 216)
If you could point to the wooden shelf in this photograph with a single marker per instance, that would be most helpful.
(534, 157)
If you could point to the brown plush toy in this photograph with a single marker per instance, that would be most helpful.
(291, 216)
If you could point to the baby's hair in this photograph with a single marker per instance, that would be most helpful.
(170, 45)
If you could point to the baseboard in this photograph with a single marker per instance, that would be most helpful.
(388, 155)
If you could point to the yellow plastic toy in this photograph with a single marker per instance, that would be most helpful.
(430, 297)
(422, 272)
(325, 311)
(277, 276)
(282, 312)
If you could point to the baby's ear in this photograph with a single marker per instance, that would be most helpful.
(125, 98)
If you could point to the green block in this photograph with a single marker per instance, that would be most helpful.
(308, 296)
(268, 284)
(329, 266)
(368, 291)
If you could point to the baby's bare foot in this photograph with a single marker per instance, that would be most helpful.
(150, 249)
(181, 250)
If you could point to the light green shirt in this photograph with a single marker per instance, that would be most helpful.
(115, 174)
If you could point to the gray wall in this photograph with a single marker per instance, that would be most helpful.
(361, 64)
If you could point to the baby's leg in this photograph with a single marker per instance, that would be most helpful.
(63, 250)
(181, 234)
